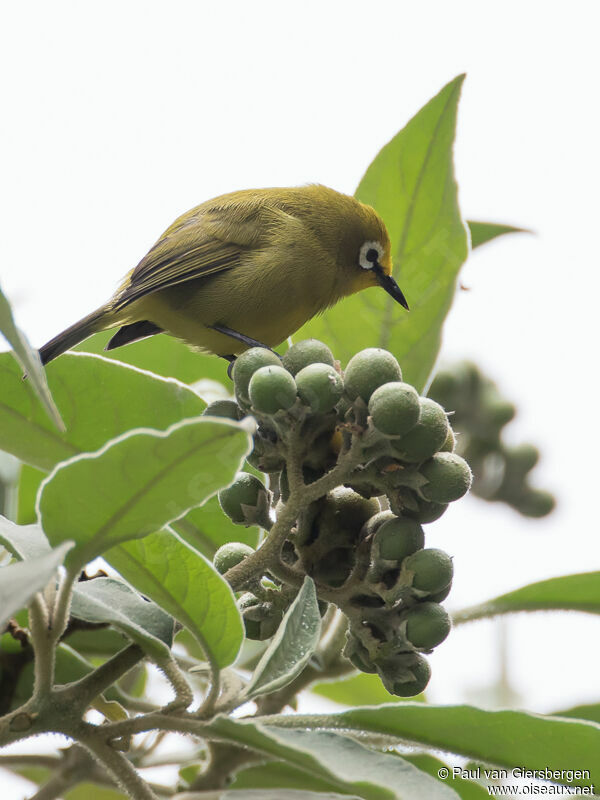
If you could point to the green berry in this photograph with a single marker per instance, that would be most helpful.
(375, 522)
(309, 351)
(426, 512)
(334, 568)
(272, 389)
(358, 655)
(246, 365)
(439, 597)
(398, 538)
(406, 675)
(523, 457)
(319, 387)
(342, 515)
(427, 625)
(244, 495)
(261, 620)
(497, 410)
(223, 408)
(449, 478)
(535, 503)
(427, 436)
(450, 443)
(368, 370)
(394, 408)
(230, 554)
(432, 569)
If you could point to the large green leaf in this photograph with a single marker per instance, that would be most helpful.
(465, 789)
(29, 360)
(589, 711)
(566, 593)
(19, 582)
(411, 184)
(484, 232)
(98, 400)
(187, 586)
(113, 601)
(279, 774)
(162, 355)
(23, 541)
(292, 646)
(341, 761)
(505, 738)
(139, 482)
(277, 794)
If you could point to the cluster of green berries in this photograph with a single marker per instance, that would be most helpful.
(361, 541)
(501, 472)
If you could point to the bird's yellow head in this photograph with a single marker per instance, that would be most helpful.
(368, 258)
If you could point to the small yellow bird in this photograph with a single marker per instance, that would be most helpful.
(245, 269)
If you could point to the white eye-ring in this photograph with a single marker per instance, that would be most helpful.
(369, 255)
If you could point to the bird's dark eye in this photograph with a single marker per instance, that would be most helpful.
(372, 255)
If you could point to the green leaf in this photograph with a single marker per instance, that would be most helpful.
(504, 738)
(113, 601)
(98, 400)
(361, 689)
(411, 184)
(186, 585)
(162, 355)
(281, 794)
(206, 528)
(23, 541)
(346, 764)
(279, 775)
(465, 789)
(19, 582)
(590, 712)
(292, 646)
(138, 482)
(29, 360)
(30, 479)
(567, 593)
(483, 232)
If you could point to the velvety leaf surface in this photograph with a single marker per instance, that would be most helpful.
(345, 763)
(98, 400)
(566, 593)
(186, 585)
(292, 646)
(110, 600)
(29, 361)
(138, 482)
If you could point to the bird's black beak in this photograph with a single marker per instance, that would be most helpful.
(389, 284)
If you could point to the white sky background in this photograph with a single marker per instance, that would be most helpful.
(117, 117)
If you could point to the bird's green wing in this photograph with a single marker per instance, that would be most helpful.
(208, 239)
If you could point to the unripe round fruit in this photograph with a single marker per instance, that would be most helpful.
(523, 457)
(375, 522)
(439, 597)
(449, 478)
(228, 409)
(309, 351)
(319, 387)
(407, 675)
(498, 411)
(427, 436)
(261, 620)
(230, 554)
(368, 370)
(535, 503)
(394, 408)
(244, 491)
(427, 625)
(427, 512)
(432, 569)
(272, 389)
(398, 538)
(450, 443)
(246, 365)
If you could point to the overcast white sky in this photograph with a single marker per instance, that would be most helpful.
(118, 116)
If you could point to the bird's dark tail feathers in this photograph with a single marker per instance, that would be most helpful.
(73, 335)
